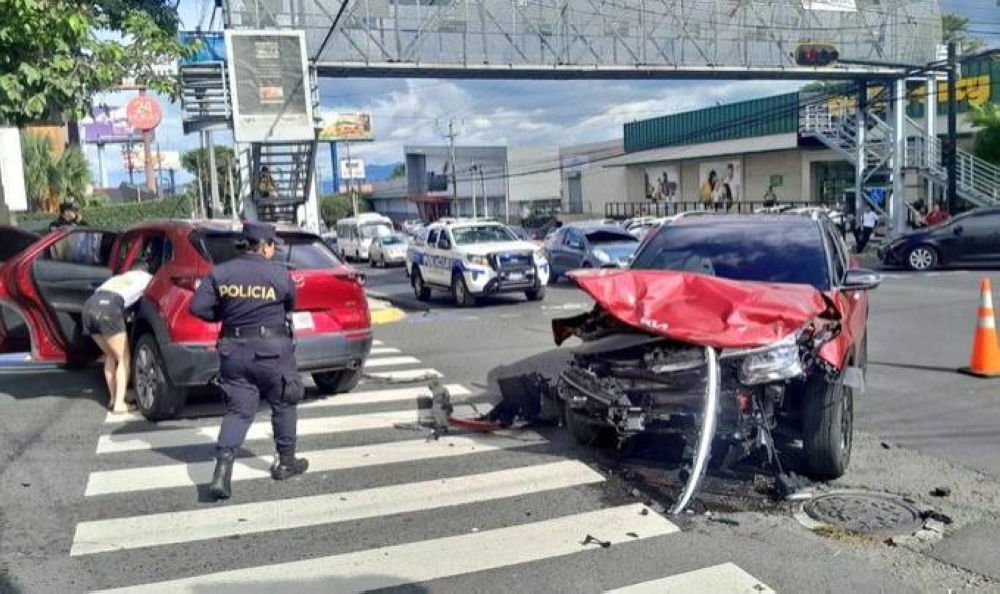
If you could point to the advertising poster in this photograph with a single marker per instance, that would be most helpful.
(349, 127)
(720, 182)
(663, 183)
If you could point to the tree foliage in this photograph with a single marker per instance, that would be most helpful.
(956, 28)
(987, 141)
(56, 54)
(196, 162)
(50, 179)
(338, 206)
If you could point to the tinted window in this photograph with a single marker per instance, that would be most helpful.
(392, 240)
(983, 223)
(770, 252)
(299, 252)
(432, 238)
(599, 237)
(839, 253)
(83, 247)
(13, 242)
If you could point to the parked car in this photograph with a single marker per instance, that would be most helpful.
(736, 327)
(172, 350)
(387, 250)
(971, 238)
(571, 247)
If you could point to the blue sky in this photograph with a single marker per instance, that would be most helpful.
(503, 112)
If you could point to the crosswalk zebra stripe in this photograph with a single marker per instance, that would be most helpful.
(168, 438)
(391, 361)
(426, 560)
(726, 578)
(405, 375)
(347, 399)
(384, 351)
(149, 478)
(220, 522)
(377, 343)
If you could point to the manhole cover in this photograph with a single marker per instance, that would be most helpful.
(865, 513)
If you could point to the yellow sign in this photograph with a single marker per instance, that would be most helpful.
(974, 90)
(350, 127)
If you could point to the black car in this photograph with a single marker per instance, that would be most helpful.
(969, 238)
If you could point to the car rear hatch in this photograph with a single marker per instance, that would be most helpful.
(330, 296)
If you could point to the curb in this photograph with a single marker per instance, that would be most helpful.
(382, 312)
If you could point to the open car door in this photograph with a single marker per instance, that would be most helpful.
(13, 331)
(47, 284)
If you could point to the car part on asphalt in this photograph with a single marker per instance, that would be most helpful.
(706, 435)
(877, 514)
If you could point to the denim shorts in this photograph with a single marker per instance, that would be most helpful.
(103, 314)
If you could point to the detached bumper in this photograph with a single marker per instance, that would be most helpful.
(195, 365)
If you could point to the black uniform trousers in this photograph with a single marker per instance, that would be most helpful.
(252, 368)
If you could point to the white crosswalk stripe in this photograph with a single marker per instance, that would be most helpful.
(393, 561)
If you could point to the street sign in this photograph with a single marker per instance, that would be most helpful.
(271, 91)
(352, 169)
(212, 46)
(349, 127)
(144, 113)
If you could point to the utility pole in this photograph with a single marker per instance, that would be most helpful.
(951, 155)
(472, 170)
(450, 135)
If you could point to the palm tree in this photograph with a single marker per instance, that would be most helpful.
(50, 180)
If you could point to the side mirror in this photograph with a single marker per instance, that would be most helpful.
(957, 230)
(861, 279)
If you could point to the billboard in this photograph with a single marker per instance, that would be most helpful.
(663, 183)
(165, 160)
(349, 127)
(352, 169)
(211, 48)
(107, 124)
(720, 182)
(271, 93)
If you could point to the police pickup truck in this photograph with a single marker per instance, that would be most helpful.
(474, 258)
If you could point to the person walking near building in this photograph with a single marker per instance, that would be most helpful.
(869, 220)
(252, 297)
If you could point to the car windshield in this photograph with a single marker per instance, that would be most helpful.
(299, 252)
(392, 240)
(373, 230)
(482, 234)
(779, 252)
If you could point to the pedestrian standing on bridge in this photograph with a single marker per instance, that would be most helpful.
(252, 297)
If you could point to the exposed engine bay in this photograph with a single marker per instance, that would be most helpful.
(630, 376)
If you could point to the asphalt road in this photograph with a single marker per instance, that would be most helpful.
(90, 504)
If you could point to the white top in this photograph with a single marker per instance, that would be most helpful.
(129, 285)
(869, 219)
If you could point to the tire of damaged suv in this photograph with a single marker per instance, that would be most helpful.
(157, 398)
(337, 382)
(827, 427)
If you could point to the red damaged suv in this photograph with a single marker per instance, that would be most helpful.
(172, 351)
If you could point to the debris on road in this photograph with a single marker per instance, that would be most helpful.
(726, 521)
(792, 487)
(940, 492)
(592, 540)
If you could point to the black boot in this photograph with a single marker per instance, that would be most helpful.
(221, 487)
(288, 466)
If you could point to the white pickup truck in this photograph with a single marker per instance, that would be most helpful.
(471, 259)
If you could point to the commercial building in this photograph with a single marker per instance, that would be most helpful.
(495, 181)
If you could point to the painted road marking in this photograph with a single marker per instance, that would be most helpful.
(406, 375)
(170, 438)
(384, 351)
(346, 399)
(185, 475)
(726, 578)
(221, 522)
(391, 362)
(437, 558)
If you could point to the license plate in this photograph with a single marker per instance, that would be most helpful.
(515, 276)
(302, 320)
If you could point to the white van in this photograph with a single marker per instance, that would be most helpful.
(355, 235)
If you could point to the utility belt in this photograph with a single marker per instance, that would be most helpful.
(257, 332)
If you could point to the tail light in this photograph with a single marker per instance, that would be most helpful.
(351, 274)
(186, 282)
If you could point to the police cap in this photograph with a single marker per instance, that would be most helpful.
(261, 233)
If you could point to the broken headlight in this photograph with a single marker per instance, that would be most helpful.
(773, 363)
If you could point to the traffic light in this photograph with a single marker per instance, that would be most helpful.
(816, 54)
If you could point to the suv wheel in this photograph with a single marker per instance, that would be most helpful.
(460, 292)
(337, 382)
(535, 294)
(921, 258)
(156, 397)
(827, 427)
(421, 291)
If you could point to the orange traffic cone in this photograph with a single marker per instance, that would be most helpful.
(985, 349)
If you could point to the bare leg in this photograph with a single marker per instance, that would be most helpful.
(109, 367)
(119, 345)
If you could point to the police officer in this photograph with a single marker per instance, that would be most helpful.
(251, 296)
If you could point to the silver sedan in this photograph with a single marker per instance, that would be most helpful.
(387, 251)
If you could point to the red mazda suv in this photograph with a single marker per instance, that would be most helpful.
(172, 351)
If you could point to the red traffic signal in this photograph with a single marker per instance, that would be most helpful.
(816, 54)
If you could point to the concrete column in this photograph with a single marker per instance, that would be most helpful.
(931, 115)
(311, 219)
(246, 188)
(862, 158)
(897, 206)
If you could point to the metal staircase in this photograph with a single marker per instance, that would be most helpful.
(289, 166)
(978, 181)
